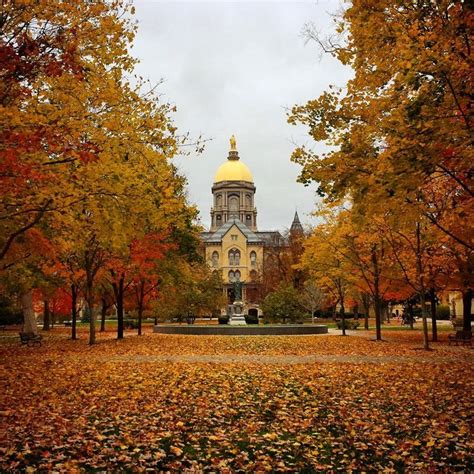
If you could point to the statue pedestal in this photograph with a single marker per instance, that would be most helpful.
(236, 314)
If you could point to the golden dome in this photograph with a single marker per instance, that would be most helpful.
(233, 170)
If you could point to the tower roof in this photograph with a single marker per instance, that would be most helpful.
(296, 226)
(233, 169)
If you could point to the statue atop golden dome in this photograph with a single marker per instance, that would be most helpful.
(233, 143)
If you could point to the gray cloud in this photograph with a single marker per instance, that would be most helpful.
(233, 68)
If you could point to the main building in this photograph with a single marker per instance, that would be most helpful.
(234, 245)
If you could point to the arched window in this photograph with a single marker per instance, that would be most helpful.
(237, 275)
(234, 257)
(231, 276)
(215, 259)
(253, 259)
(218, 200)
(234, 206)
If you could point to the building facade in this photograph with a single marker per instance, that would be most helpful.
(233, 245)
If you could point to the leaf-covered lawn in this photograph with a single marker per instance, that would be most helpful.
(125, 406)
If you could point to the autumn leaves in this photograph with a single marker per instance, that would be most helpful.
(104, 407)
(85, 156)
(396, 182)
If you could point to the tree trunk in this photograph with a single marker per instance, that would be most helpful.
(343, 316)
(466, 309)
(378, 317)
(366, 303)
(424, 315)
(73, 311)
(434, 328)
(118, 292)
(419, 271)
(90, 309)
(46, 316)
(29, 319)
(103, 312)
(140, 306)
(376, 293)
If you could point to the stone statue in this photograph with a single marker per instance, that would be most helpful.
(233, 143)
(237, 290)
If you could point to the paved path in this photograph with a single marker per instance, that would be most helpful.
(289, 359)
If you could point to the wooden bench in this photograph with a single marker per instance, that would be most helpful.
(30, 339)
(461, 337)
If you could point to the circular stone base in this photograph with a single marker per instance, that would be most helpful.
(254, 330)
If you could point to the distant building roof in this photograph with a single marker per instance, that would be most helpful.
(270, 237)
(216, 237)
(296, 227)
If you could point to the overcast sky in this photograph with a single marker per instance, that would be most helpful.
(234, 68)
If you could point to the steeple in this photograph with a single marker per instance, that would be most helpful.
(296, 227)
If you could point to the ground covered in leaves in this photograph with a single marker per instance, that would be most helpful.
(236, 404)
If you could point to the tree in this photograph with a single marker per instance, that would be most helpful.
(401, 133)
(326, 267)
(312, 297)
(189, 291)
(281, 258)
(58, 65)
(283, 305)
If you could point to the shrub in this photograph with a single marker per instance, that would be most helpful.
(442, 312)
(130, 324)
(348, 324)
(251, 319)
(8, 314)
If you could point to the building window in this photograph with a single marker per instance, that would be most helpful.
(249, 218)
(234, 257)
(231, 276)
(253, 259)
(233, 237)
(215, 259)
(237, 275)
(234, 205)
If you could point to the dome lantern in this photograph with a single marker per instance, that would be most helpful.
(233, 169)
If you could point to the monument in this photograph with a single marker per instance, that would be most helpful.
(236, 309)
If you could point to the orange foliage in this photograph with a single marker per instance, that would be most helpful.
(250, 404)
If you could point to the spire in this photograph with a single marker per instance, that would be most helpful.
(296, 227)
